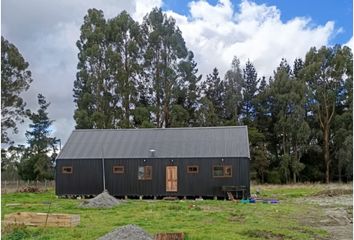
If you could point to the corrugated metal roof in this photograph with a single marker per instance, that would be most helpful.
(167, 142)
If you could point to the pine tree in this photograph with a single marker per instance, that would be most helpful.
(213, 89)
(290, 127)
(248, 111)
(15, 79)
(38, 159)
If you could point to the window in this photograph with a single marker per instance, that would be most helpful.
(222, 171)
(118, 169)
(193, 169)
(67, 170)
(145, 173)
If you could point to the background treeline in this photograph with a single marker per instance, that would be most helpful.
(133, 75)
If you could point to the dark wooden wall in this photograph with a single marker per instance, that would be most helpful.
(86, 178)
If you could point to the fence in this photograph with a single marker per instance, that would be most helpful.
(19, 185)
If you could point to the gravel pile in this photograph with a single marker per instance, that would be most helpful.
(103, 200)
(127, 232)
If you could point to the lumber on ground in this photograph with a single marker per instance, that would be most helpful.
(42, 219)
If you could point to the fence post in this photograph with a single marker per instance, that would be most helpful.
(45, 185)
(17, 185)
(5, 186)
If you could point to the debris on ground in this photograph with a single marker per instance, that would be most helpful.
(127, 232)
(334, 192)
(103, 200)
(29, 189)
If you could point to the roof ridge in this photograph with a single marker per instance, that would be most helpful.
(157, 129)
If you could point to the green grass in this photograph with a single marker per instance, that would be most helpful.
(207, 219)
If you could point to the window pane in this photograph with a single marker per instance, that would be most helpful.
(192, 169)
(148, 172)
(67, 170)
(218, 171)
(145, 172)
(227, 171)
(118, 169)
(141, 173)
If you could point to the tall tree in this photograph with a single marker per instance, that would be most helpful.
(124, 61)
(187, 90)
(15, 79)
(248, 111)
(213, 89)
(38, 159)
(290, 128)
(233, 96)
(96, 102)
(325, 69)
(165, 48)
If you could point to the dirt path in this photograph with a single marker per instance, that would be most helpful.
(336, 214)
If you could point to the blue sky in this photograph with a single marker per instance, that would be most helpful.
(320, 11)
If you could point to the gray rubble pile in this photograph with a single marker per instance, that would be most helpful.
(127, 232)
(103, 200)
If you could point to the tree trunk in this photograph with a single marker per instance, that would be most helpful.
(326, 150)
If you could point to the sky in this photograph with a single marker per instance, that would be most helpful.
(262, 31)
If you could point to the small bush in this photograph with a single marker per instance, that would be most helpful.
(274, 177)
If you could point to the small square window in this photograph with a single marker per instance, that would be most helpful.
(193, 169)
(145, 172)
(118, 169)
(67, 170)
(222, 171)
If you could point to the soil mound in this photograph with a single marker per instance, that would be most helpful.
(127, 232)
(103, 200)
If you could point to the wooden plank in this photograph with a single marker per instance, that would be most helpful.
(41, 219)
(169, 236)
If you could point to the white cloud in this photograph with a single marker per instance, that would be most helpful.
(46, 32)
(216, 33)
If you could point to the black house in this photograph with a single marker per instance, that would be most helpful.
(185, 162)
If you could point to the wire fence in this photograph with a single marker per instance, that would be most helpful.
(26, 186)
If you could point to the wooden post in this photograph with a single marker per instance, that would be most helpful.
(17, 185)
(45, 185)
(5, 187)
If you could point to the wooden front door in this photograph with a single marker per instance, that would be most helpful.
(171, 179)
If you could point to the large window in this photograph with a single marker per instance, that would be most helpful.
(67, 170)
(222, 171)
(193, 169)
(145, 172)
(118, 169)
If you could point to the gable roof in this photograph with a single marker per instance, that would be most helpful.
(163, 142)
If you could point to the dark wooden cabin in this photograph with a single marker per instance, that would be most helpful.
(183, 162)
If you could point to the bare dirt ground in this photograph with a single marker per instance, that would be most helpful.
(336, 215)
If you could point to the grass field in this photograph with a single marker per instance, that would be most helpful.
(208, 219)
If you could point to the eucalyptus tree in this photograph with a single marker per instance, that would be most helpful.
(95, 101)
(325, 70)
(233, 97)
(15, 79)
(165, 48)
(125, 44)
